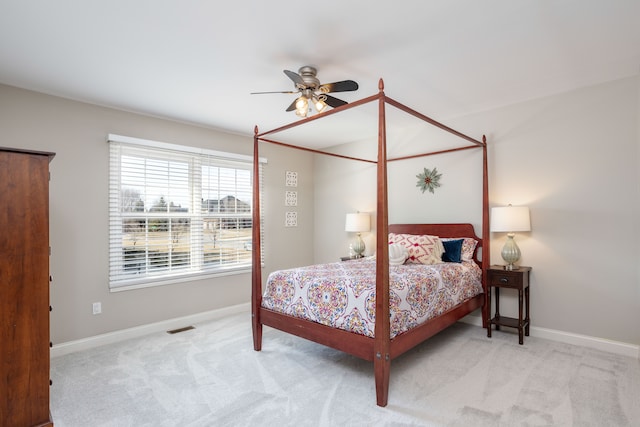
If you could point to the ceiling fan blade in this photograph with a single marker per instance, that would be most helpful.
(343, 86)
(260, 93)
(292, 107)
(334, 102)
(297, 79)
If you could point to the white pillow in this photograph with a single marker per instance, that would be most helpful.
(397, 254)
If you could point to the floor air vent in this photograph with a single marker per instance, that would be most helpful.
(175, 331)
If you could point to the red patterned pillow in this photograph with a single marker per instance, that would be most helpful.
(423, 249)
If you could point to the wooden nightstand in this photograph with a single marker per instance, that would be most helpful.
(498, 277)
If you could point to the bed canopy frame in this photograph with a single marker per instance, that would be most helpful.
(380, 349)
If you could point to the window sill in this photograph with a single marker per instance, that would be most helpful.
(150, 283)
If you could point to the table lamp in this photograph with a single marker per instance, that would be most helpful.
(357, 223)
(510, 219)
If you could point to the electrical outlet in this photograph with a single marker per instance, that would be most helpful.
(97, 308)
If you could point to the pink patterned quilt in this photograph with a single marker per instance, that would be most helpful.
(342, 294)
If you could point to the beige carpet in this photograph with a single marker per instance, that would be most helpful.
(211, 376)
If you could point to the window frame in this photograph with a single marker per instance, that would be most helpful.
(198, 159)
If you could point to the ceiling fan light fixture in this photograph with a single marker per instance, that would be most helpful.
(310, 90)
(302, 106)
(319, 103)
(302, 103)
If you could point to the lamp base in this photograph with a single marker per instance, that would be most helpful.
(510, 253)
(358, 247)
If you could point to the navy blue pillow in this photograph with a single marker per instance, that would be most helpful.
(452, 250)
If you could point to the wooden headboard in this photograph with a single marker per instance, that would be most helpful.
(441, 230)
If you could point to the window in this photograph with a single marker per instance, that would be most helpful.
(176, 212)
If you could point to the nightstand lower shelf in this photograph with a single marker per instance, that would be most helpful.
(510, 322)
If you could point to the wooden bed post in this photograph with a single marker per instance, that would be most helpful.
(256, 267)
(381, 347)
(486, 252)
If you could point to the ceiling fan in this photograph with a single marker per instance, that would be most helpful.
(311, 91)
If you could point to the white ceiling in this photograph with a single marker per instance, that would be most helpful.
(198, 60)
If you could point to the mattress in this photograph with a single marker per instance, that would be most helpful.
(343, 294)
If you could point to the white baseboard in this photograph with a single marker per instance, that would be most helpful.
(610, 346)
(138, 331)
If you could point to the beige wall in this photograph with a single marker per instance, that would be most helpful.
(573, 159)
(458, 199)
(77, 133)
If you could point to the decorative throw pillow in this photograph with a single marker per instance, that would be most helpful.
(422, 249)
(397, 254)
(468, 247)
(452, 250)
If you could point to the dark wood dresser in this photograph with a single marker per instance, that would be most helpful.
(24, 288)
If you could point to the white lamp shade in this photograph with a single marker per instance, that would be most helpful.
(357, 222)
(510, 219)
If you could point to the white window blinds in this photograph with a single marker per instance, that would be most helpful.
(176, 212)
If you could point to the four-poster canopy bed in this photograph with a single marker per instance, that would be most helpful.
(383, 341)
